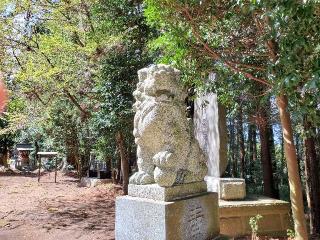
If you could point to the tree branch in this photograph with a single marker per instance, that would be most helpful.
(75, 102)
(38, 97)
(269, 43)
(17, 59)
(85, 6)
(215, 55)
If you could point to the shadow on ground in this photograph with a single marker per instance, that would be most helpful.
(98, 214)
(11, 173)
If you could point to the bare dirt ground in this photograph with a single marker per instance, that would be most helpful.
(56, 211)
(59, 211)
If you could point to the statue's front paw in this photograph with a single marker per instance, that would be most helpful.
(164, 177)
(141, 178)
(164, 159)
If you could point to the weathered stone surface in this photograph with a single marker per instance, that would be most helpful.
(228, 188)
(235, 216)
(93, 182)
(232, 188)
(211, 132)
(156, 192)
(167, 152)
(194, 218)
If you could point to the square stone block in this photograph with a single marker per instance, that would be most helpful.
(228, 188)
(155, 192)
(232, 189)
(194, 218)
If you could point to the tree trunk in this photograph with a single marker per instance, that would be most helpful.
(293, 171)
(71, 143)
(79, 167)
(250, 150)
(283, 165)
(273, 162)
(4, 157)
(87, 142)
(232, 149)
(254, 144)
(124, 161)
(108, 167)
(266, 159)
(254, 149)
(312, 180)
(299, 153)
(241, 143)
(317, 140)
(7, 157)
(36, 150)
(118, 171)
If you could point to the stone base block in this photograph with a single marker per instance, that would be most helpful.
(155, 192)
(92, 182)
(235, 216)
(194, 218)
(228, 188)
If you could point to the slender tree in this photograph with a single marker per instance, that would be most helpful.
(266, 160)
(312, 179)
(240, 138)
(124, 161)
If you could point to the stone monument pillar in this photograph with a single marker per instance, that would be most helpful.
(168, 197)
(211, 133)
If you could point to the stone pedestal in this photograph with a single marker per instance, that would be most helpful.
(193, 218)
(227, 188)
(186, 212)
(155, 192)
(235, 216)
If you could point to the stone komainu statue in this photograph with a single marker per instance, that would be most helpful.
(167, 151)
